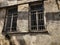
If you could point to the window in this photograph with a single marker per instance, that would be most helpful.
(11, 19)
(37, 16)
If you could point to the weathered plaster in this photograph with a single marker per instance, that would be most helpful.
(2, 16)
(52, 16)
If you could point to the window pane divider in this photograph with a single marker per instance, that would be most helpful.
(11, 23)
(37, 19)
(30, 20)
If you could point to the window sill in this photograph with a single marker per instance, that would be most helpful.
(43, 32)
(24, 33)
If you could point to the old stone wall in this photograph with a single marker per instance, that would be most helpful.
(22, 21)
(53, 21)
(52, 16)
(5, 3)
(2, 16)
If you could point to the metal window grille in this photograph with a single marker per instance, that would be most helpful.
(10, 23)
(37, 17)
(11, 20)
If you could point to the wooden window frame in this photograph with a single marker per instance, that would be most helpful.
(12, 20)
(37, 20)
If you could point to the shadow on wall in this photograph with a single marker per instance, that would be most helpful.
(55, 43)
(53, 16)
(49, 16)
(23, 15)
(21, 40)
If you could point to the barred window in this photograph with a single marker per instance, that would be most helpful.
(11, 19)
(37, 16)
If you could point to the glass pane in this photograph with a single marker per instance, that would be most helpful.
(33, 20)
(14, 23)
(40, 16)
(33, 15)
(41, 27)
(33, 23)
(34, 28)
(7, 29)
(8, 24)
(40, 22)
(12, 10)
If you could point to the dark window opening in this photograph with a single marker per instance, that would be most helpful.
(37, 16)
(11, 20)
